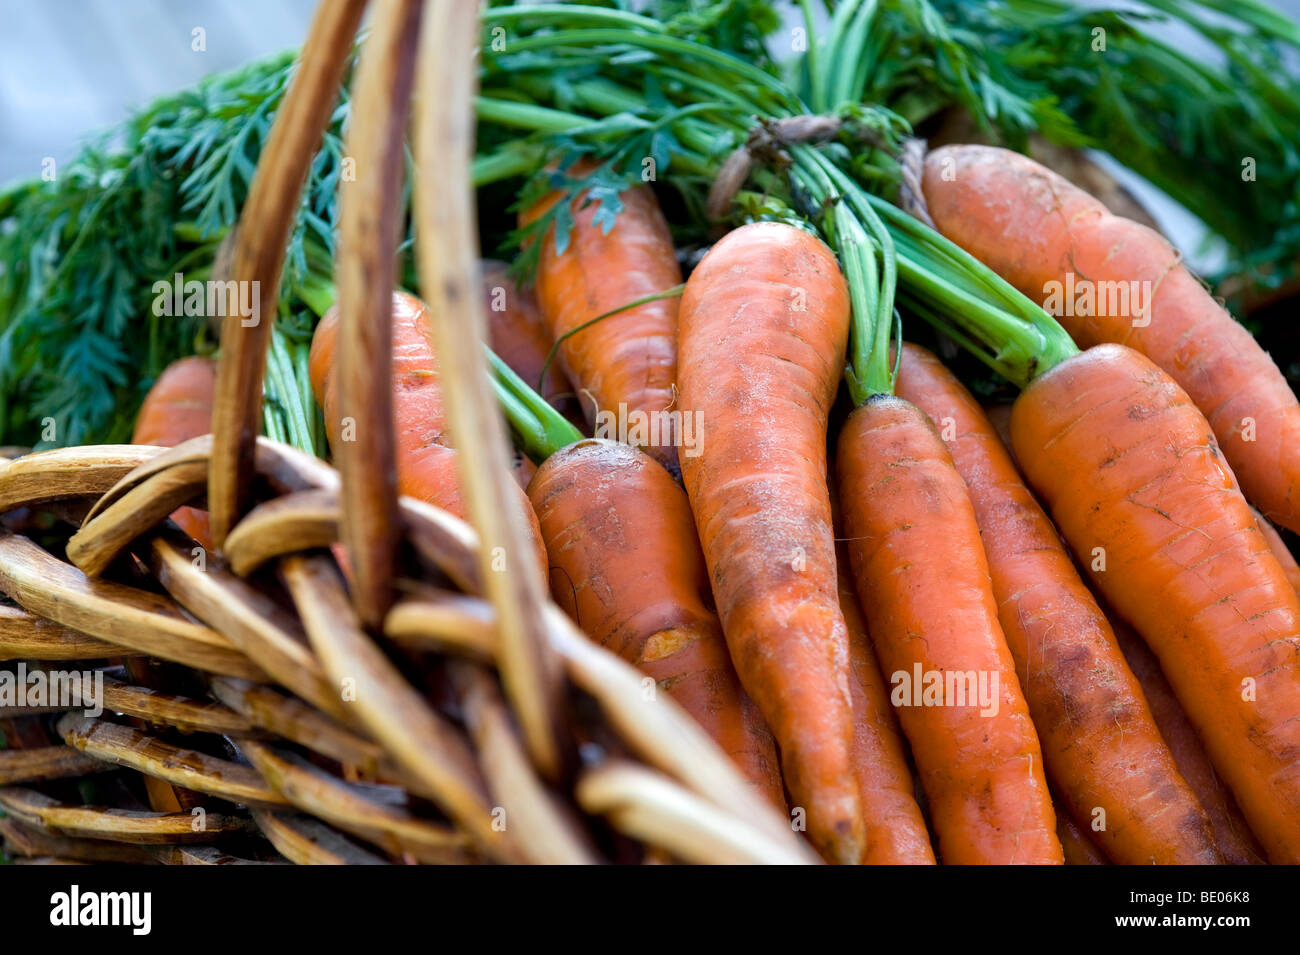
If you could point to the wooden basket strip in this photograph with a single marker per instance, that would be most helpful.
(259, 248)
(302, 521)
(656, 728)
(446, 250)
(68, 473)
(181, 713)
(200, 855)
(276, 713)
(423, 742)
(444, 623)
(180, 767)
(307, 520)
(444, 542)
(103, 537)
(284, 468)
(663, 734)
(23, 840)
(161, 709)
(116, 613)
(26, 636)
(117, 825)
(307, 841)
(394, 830)
(48, 860)
(47, 762)
(546, 831)
(291, 719)
(370, 218)
(264, 632)
(651, 807)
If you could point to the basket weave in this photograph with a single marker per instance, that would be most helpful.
(429, 706)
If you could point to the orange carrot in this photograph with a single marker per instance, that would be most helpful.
(1060, 246)
(518, 335)
(921, 572)
(623, 365)
(1078, 848)
(626, 566)
(1133, 476)
(178, 408)
(426, 463)
(1104, 754)
(1280, 551)
(764, 323)
(896, 832)
(1233, 836)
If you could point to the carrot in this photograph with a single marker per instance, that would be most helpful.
(896, 832)
(426, 463)
(1077, 847)
(921, 572)
(178, 408)
(1042, 233)
(518, 335)
(1280, 551)
(764, 324)
(1103, 751)
(1233, 836)
(1132, 475)
(626, 566)
(623, 365)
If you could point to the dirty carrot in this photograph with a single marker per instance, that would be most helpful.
(426, 462)
(1131, 472)
(921, 573)
(896, 832)
(517, 333)
(1078, 848)
(764, 324)
(1104, 753)
(1279, 549)
(625, 564)
(1109, 279)
(624, 366)
(1233, 836)
(178, 408)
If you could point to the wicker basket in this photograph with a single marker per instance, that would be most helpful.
(434, 706)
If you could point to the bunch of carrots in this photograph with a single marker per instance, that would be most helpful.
(930, 631)
(1061, 630)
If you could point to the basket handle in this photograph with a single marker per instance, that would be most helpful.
(259, 249)
(370, 218)
(447, 252)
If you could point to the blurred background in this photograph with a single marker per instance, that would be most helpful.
(69, 68)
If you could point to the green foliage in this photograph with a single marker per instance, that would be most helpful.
(1185, 122)
(79, 340)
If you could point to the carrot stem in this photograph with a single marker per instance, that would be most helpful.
(541, 429)
(880, 247)
(673, 292)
